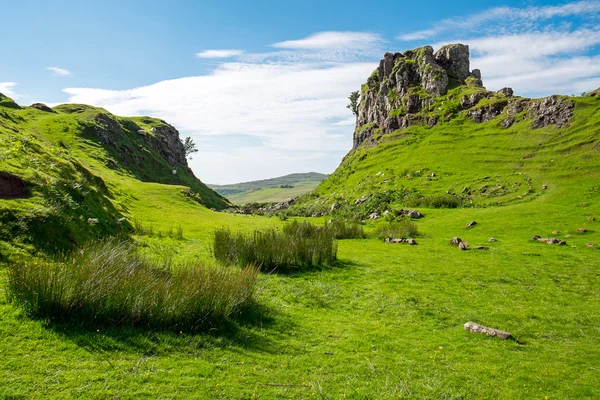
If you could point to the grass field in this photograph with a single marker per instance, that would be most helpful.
(385, 322)
(270, 190)
(272, 195)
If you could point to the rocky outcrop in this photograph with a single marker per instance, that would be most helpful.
(595, 93)
(552, 110)
(406, 84)
(164, 138)
(411, 88)
(43, 107)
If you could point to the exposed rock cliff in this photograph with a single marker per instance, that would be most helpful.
(423, 87)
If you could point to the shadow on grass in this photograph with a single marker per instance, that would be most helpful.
(251, 329)
(307, 270)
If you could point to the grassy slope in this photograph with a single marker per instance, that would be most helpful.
(73, 177)
(463, 153)
(388, 322)
(269, 190)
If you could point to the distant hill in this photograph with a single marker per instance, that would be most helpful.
(270, 190)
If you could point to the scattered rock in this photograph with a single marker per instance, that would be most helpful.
(568, 235)
(544, 187)
(492, 240)
(12, 187)
(582, 230)
(471, 224)
(411, 242)
(481, 248)
(591, 219)
(455, 241)
(476, 328)
(463, 246)
(43, 107)
(590, 245)
(362, 199)
(142, 132)
(584, 204)
(556, 232)
(373, 216)
(549, 240)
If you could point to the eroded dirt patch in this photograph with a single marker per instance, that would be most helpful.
(11, 186)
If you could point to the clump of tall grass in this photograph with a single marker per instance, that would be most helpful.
(435, 201)
(148, 230)
(109, 283)
(344, 230)
(297, 245)
(402, 229)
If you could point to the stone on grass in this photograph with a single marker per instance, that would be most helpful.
(477, 328)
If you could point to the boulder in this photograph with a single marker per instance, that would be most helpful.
(454, 59)
(471, 224)
(492, 239)
(506, 92)
(463, 246)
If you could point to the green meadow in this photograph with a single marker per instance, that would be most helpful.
(385, 321)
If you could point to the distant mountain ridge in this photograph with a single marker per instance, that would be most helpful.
(270, 190)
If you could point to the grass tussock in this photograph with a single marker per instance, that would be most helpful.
(435, 201)
(344, 230)
(297, 245)
(109, 283)
(402, 229)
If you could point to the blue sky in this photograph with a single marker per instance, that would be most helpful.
(261, 86)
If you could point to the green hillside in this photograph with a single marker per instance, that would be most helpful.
(70, 173)
(270, 190)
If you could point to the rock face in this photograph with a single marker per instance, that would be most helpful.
(411, 88)
(165, 138)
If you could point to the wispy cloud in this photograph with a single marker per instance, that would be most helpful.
(418, 35)
(59, 71)
(224, 53)
(6, 88)
(332, 40)
(511, 19)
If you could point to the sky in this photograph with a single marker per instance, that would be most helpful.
(261, 86)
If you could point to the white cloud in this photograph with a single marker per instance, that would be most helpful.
(332, 40)
(6, 88)
(225, 53)
(510, 19)
(59, 71)
(289, 108)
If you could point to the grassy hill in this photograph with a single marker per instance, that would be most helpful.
(76, 167)
(386, 322)
(270, 190)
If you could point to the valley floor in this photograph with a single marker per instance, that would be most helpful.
(387, 323)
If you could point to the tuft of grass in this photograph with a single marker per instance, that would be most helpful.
(402, 229)
(344, 230)
(109, 283)
(435, 201)
(297, 245)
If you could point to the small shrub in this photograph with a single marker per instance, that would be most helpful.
(109, 283)
(298, 245)
(435, 201)
(402, 229)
